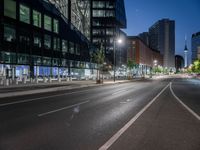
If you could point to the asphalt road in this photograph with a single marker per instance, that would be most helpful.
(142, 115)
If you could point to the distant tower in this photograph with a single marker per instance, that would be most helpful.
(186, 53)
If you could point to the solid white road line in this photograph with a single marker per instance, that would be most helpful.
(184, 105)
(60, 109)
(39, 98)
(126, 126)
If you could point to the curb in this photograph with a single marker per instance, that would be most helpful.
(21, 93)
(53, 89)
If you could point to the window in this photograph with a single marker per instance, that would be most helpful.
(71, 47)
(77, 49)
(24, 40)
(47, 23)
(36, 18)
(98, 4)
(37, 60)
(55, 62)
(46, 61)
(10, 8)
(23, 59)
(64, 63)
(24, 14)
(98, 13)
(47, 41)
(64, 46)
(9, 57)
(9, 33)
(110, 13)
(110, 4)
(55, 26)
(37, 41)
(109, 31)
(56, 44)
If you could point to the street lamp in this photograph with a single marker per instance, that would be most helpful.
(155, 64)
(119, 41)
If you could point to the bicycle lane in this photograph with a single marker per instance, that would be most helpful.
(165, 125)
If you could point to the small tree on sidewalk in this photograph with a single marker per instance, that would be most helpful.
(131, 65)
(99, 57)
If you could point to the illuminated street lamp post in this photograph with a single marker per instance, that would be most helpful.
(119, 41)
(155, 64)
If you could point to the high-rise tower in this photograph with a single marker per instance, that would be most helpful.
(195, 46)
(108, 17)
(162, 38)
(185, 53)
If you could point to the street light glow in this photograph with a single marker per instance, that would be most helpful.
(155, 61)
(119, 41)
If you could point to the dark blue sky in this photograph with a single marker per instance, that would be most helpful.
(141, 14)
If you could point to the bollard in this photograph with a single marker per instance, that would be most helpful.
(50, 80)
(6, 82)
(16, 81)
(36, 80)
(24, 80)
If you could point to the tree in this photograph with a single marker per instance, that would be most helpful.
(131, 65)
(99, 57)
(196, 66)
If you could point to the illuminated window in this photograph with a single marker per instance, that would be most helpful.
(55, 26)
(36, 18)
(47, 41)
(9, 33)
(71, 47)
(56, 44)
(37, 41)
(24, 14)
(10, 8)
(47, 23)
(64, 46)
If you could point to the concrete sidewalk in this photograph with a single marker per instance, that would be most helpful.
(27, 89)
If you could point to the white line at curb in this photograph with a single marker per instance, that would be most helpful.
(185, 106)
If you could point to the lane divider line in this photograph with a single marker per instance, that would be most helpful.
(117, 92)
(60, 109)
(116, 136)
(184, 105)
(39, 98)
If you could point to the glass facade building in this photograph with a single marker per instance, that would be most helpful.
(162, 38)
(195, 46)
(108, 17)
(77, 12)
(36, 39)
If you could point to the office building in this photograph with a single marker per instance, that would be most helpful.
(162, 38)
(179, 62)
(144, 37)
(38, 39)
(108, 17)
(143, 55)
(195, 46)
(77, 12)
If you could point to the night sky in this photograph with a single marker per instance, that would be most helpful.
(141, 14)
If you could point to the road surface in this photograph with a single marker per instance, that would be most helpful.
(144, 115)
